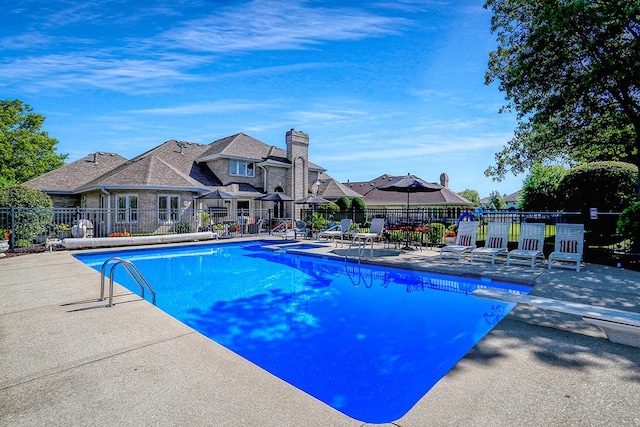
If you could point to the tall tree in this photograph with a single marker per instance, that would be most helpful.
(26, 151)
(571, 71)
(471, 195)
(496, 201)
(540, 187)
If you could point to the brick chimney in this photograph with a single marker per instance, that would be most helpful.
(298, 153)
(444, 180)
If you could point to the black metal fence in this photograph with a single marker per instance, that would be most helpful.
(27, 229)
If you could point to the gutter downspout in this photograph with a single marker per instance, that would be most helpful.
(103, 190)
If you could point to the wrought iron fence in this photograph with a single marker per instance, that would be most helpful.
(27, 228)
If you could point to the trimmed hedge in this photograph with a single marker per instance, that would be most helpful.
(608, 186)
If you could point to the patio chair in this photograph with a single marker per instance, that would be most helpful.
(495, 243)
(530, 245)
(338, 232)
(287, 232)
(301, 229)
(375, 233)
(568, 246)
(465, 241)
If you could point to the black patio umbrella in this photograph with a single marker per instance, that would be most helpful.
(218, 194)
(410, 184)
(278, 198)
(275, 197)
(312, 200)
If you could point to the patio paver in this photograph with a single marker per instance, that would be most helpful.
(67, 360)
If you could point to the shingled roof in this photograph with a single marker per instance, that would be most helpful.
(332, 190)
(66, 179)
(375, 197)
(163, 167)
(243, 146)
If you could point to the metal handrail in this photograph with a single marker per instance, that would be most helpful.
(102, 271)
(133, 272)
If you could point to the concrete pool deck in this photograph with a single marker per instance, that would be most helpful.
(66, 359)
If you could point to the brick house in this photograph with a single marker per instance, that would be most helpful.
(176, 176)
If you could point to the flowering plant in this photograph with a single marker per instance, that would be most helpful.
(120, 234)
(450, 234)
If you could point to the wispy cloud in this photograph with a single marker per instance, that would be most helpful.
(97, 69)
(204, 108)
(139, 60)
(278, 25)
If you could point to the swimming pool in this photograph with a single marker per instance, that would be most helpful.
(367, 340)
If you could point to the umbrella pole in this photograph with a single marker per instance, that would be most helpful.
(408, 208)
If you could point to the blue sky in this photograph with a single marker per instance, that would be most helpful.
(380, 87)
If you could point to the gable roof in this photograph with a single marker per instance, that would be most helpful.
(243, 146)
(67, 178)
(513, 197)
(333, 190)
(167, 166)
(375, 197)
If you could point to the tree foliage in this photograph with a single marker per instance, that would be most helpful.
(343, 203)
(571, 71)
(471, 195)
(27, 223)
(26, 151)
(496, 201)
(358, 204)
(629, 225)
(607, 186)
(540, 188)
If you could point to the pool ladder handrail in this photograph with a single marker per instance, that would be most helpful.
(361, 246)
(133, 272)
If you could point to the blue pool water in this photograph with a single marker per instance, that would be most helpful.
(367, 340)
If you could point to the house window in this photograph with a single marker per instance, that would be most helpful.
(240, 168)
(127, 208)
(168, 208)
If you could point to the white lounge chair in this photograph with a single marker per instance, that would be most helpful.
(530, 245)
(568, 246)
(338, 232)
(465, 241)
(360, 240)
(495, 243)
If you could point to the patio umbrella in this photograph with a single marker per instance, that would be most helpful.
(275, 197)
(410, 184)
(217, 194)
(278, 198)
(312, 200)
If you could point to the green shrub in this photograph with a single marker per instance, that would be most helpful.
(33, 215)
(343, 203)
(328, 209)
(606, 186)
(319, 222)
(183, 227)
(629, 225)
(358, 204)
(435, 235)
(21, 196)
